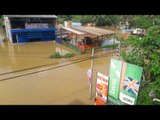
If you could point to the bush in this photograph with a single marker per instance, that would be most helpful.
(145, 53)
(110, 46)
(68, 55)
(144, 98)
(55, 55)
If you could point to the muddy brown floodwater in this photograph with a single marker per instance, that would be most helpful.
(65, 85)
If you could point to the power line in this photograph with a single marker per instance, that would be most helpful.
(48, 69)
(26, 52)
(34, 67)
(23, 56)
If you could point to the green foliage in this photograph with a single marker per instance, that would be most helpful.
(110, 46)
(99, 20)
(68, 55)
(55, 55)
(63, 18)
(1, 20)
(141, 21)
(144, 98)
(145, 53)
(136, 21)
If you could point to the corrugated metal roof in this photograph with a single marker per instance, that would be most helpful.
(32, 16)
(81, 28)
(74, 31)
(94, 30)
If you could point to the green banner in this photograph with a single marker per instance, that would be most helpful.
(130, 83)
(114, 76)
(124, 83)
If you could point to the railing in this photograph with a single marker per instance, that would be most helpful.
(89, 50)
(102, 48)
(72, 47)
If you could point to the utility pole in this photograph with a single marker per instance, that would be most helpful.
(92, 66)
(118, 51)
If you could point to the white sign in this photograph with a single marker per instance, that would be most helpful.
(36, 25)
(127, 99)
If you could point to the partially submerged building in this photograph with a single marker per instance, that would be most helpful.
(29, 28)
(84, 38)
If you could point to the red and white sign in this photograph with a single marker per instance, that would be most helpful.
(98, 102)
(102, 87)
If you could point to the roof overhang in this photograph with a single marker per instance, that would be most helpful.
(31, 16)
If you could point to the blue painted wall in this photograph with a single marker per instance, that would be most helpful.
(25, 35)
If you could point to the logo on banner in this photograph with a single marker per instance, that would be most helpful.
(131, 85)
(127, 99)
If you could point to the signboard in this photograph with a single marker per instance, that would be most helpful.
(36, 25)
(114, 75)
(98, 102)
(130, 83)
(76, 24)
(124, 82)
(102, 87)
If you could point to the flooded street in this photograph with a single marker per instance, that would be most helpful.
(29, 76)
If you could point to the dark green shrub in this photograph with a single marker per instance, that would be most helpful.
(68, 55)
(110, 46)
(55, 55)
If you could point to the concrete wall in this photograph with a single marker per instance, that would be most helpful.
(8, 28)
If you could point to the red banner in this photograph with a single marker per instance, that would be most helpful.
(102, 88)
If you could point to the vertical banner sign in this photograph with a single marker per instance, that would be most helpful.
(130, 83)
(124, 82)
(114, 76)
(102, 87)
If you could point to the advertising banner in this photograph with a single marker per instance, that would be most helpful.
(114, 76)
(124, 82)
(130, 83)
(98, 102)
(102, 87)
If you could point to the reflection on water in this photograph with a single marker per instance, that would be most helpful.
(61, 51)
(21, 56)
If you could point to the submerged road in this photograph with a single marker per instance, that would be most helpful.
(29, 76)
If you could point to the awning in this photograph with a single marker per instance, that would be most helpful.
(31, 16)
(95, 31)
(74, 31)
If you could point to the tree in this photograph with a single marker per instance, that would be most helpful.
(99, 20)
(63, 18)
(145, 52)
(1, 20)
